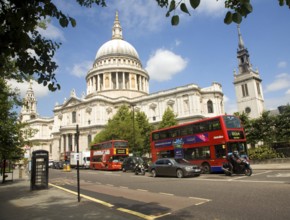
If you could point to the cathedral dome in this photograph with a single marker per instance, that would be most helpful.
(117, 47)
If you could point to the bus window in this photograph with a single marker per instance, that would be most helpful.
(214, 125)
(155, 136)
(220, 151)
(163, 135)
(232, 122)
(197, 153)
(174, 133)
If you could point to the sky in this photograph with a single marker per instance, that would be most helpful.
(200, 50)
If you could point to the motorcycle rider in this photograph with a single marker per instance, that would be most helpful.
(233, 159)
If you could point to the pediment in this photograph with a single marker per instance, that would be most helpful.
(72, 101)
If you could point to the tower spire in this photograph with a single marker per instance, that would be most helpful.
(117, 29)
(241, 42)
(28, 110)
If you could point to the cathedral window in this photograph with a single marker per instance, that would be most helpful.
(74, 117)
(209, 106)
(89, 140)
(245, 90)
(258, 88)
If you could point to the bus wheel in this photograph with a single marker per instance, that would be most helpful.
(179, 173)
(205, 168)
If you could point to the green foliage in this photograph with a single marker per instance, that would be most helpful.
(145, 129)
(238, 9)
(262, 153)
(121, 127)
(168, 119)
(24, 51)
(282, 123)
(11, 136)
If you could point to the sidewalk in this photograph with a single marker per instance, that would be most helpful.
(271, 166)
(19, 202)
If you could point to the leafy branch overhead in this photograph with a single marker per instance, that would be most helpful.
(26, 53)
(237, 9)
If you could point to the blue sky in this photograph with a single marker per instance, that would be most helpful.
(201, 49)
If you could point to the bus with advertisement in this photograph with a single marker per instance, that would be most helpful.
(109, 155)
(204, 142)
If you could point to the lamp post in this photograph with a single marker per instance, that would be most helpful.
(133, 147)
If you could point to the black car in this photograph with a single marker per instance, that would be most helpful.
(174, 167)
(129, 163)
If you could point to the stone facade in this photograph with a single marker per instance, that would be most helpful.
(116, 78)
(248, 87)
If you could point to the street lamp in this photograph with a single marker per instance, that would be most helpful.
(133, 147)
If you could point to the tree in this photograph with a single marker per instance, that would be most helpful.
(238, 9)
(121, 127)
(283, 125)
(24, 51)
(11, 136)
(145, 129)
(168, 119)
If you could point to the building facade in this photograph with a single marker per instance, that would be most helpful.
(116, 78)
(248, 87)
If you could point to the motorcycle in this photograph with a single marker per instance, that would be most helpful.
(243, 167)
(139, 169)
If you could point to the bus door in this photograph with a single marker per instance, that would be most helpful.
(220, 157)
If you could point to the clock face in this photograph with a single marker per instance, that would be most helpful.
(248, 110)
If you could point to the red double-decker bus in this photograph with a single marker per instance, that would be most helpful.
(205, 142)
(108, 155)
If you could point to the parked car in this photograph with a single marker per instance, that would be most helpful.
(50, 163)
(57, 165)
(174, 167)
(130, 163)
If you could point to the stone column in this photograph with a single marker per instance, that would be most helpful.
(117, 80)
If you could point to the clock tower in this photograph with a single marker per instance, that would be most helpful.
(247, 82)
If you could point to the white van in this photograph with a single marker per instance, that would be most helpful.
(83, 157)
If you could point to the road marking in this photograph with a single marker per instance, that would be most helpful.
(109, 185)
(167, 194)
(256, 174)
(142, 190)
(112, 174)
(147, 217)
(208, 200)
(200, 203)
(280, 175)
(124, 187)
(84, 196)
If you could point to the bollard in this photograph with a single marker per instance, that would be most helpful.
(64, 167)
(68, 168)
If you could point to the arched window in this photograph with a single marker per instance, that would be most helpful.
(209, 106)
(89, 140)
(74, 117)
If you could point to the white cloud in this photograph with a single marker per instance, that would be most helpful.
(212, 8)
(282, 64)
(81, 69)
(52, 32)
(230, 105)
(282, 81)
(38, 89)
(273, 103)
(141, 15)
(164, 64)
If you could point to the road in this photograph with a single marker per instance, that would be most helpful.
(264, 195)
